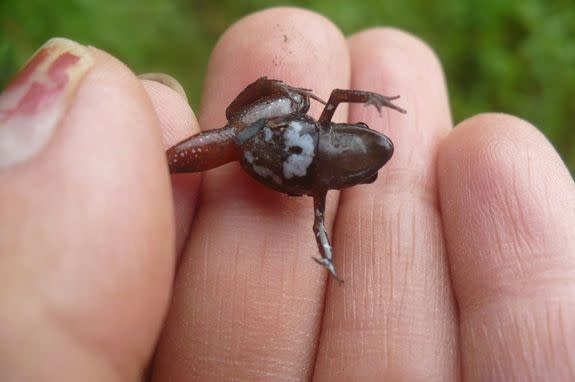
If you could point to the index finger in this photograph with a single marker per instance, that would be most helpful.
(248, 298)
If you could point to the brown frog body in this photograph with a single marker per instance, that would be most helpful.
(279, 145)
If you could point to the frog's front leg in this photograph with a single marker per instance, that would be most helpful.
(204, 151)
(325, 248)
(356, 96)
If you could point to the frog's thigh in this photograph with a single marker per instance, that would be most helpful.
(262, 88)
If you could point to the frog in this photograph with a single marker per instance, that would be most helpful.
(271, 135)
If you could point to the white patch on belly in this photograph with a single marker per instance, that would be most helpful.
(275, 108)
(297, 164)
(265, 172)
(268, 134)
(262, 171)
(249, 156)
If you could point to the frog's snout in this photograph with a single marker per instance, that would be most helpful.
(386, 148)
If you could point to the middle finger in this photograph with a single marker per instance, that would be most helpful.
(395, 319)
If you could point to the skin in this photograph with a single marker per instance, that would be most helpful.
(459, 259)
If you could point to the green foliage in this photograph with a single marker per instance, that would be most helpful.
(512, 56)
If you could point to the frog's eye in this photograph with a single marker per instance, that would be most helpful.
(362, 125)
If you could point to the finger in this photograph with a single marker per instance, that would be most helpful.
(395, 319)
(508, 205)
(177, 122)
(87, 239)
(166, 80)
(248, 297)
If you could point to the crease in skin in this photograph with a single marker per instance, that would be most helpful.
(562, 334)
(406, 237)
(510, 202)
(528, 233)
(91, 352)
(394, 242)
(252, 366)
(206, 245)
(360, 249)
(526, 344)
(402, 180)
(371, 223)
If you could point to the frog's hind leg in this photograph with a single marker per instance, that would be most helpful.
(324, 246)
(266, 98)
(204, 151)
(356, 96)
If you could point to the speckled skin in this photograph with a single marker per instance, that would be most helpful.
(278, 144)
(274, 154)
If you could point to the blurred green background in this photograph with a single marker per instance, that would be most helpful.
(512, 56)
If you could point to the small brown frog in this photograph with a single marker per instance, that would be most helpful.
(279, 145)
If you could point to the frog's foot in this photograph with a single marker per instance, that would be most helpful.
(290, 89)
(379, 101)
(308, 92)
(355, 96)
(328, 264)
(294, 93)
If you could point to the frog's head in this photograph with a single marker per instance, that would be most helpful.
(350, 154)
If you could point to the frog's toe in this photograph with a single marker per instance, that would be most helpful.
(327, 264)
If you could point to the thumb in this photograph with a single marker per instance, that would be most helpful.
(86, 230)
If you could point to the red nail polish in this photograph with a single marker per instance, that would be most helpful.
(35, 101)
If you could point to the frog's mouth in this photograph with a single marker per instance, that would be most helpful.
(371, 179)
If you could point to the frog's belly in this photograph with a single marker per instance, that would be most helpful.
(281, 154)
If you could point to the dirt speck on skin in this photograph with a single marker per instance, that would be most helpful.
(285, 38)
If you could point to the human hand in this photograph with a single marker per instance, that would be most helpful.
(459, 260)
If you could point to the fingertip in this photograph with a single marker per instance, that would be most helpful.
(296, 44)
(500, 179)
(493, 146)
(166, 80)
(176, 117)
(288, 29)
(404, 60)
(397, 40)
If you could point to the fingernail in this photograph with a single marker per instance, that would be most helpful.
(167, 80)
(33, 104)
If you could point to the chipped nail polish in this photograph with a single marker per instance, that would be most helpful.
(33, 104)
